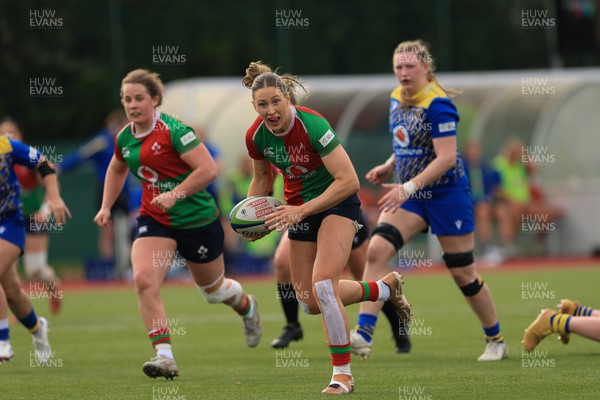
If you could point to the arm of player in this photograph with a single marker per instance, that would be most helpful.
(56, 204)
(116, 174)
(345, 183)
(445, 159)
(380, 174)
(262, 180)
(204, 171)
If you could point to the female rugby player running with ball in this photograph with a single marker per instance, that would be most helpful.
(321, 214)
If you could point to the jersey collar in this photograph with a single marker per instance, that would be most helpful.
(147, 132)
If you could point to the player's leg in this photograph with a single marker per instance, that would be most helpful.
(550, 321)
(203, 251)
(6, 351)
(151, 257)
(20, 304)
(392, 231)
(286, 295)
(573, 307)
(356, 264)
(35, 263)
(458, 256)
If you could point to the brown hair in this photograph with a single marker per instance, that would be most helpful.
(151, 80)
(259, 76)
(421, 51)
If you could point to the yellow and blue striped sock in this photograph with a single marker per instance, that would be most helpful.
(560, 323)
(493, 334)
(583, 311)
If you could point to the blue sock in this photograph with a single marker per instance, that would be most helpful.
(493, 334)
(4, 331)
(31, 322)
(366, 326)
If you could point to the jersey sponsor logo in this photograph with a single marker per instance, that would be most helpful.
(401, 136)
(447, 127)
(147, 174)
(326, 138)
(296, 170)
(187, 138)
(155, 148)
(125, 152)
(269, 152)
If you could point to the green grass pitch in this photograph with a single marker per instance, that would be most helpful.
(100, 345)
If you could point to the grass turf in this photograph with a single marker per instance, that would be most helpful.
(100, 345)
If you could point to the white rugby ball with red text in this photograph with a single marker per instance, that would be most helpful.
(249, 215)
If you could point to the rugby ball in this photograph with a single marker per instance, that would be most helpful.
(249, 215)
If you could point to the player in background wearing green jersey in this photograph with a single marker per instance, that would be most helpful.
(321, 214)
(177, 215)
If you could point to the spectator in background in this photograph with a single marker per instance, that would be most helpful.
(516, 202)
(484, 182)
(99, 151)
(35, 212)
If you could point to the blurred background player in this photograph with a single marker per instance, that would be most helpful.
(571, 317)
(519, 195)
(12, 242)
(113, 242)
(321, 214)
(432, 193)
(35, 213)
(177, 215)
(484, 182)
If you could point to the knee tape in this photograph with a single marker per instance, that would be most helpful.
(332, 315)
(472, 288)
(389, 233)
(458, 260)
(221, 290)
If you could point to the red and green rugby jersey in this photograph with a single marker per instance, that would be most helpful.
(297, 152)
(154, 158)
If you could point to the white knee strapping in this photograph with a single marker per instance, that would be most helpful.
(331, 313)
(227, 289)
(35, 263)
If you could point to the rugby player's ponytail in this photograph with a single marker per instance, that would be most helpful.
(421, 51)
(259, 75)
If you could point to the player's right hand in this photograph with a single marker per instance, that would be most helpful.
(379, 174)
(102, 219)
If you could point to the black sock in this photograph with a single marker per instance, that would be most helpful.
(390, 312)
(289, 303)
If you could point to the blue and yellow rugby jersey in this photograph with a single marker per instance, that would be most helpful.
(413, 130)
(13, 152)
